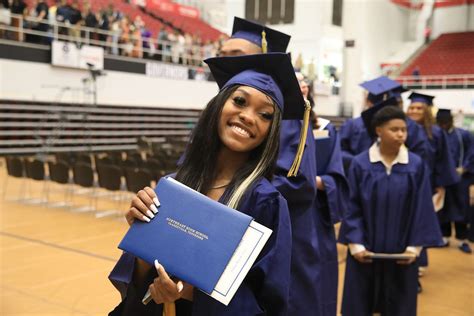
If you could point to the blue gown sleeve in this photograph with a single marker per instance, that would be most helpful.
(445, 167)
(122, 273)
(300, 189)
(335, 182)
(345, 142)
(417, 140)
(353, 228)
(468, 141)
(424, 229)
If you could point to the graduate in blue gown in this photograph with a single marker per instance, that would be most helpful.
(354, 136)
(299, 189)
(439, 160)
(390, 211)
(333, 190)
(331, 201)
(300, 192)
(230, 158)
(456, 205)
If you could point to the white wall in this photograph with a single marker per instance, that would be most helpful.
(450, 19)
(378, 28)
(42, 82)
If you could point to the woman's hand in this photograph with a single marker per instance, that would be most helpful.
(144, 206)
(165, 290)
(363, 256)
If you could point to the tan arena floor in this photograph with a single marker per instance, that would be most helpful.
(56, 262)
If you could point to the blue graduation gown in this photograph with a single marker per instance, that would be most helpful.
(300, 192)
(441, 167)
(330, 204)
(440, 160)
(456, 203)
(386, 214)
(265, 288)
(355, 139)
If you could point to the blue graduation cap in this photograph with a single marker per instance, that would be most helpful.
(381, 88)
(397, 92)
(368, 115)
(268, 39)
(420, 97)
(443, 114)
(270, 73)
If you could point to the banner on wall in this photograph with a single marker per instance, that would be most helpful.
(163, 70)
(167, 6)
(65, 54)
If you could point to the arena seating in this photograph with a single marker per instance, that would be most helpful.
(449, 54)
(36, 127)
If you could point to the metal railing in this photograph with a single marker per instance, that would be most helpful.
(169, 51)
(444, 81)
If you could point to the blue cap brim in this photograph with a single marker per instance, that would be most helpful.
(270, 73)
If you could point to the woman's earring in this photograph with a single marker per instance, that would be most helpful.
(378, 139)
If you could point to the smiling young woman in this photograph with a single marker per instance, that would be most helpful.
(230, 158)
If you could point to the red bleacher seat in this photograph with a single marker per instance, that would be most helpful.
(449, 54)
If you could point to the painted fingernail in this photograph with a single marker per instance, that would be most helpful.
(157, 203)
(180, 286)
(146, 219)
(157, 264)
(153, 208)
(150, 214)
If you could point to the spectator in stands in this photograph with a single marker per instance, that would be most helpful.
(180, 48)
(148, 45)
(208, 50)
(104, 25)
(116, 34)
(4, 16)
(416, 73)
(91, 21)
(162, 40)
(18, 7)
(196, 51)
(137, 42)
(173, 40)
(62, 15)
(188, 44)
(52, 12)
(126, 45)
(75, 19)
(42, 23)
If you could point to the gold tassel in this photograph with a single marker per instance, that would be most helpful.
(304, 132)
(169, 309)
(264, 42)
